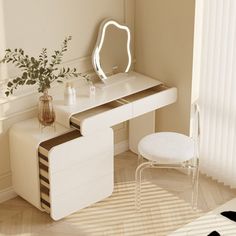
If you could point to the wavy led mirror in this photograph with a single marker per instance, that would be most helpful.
(111, 54)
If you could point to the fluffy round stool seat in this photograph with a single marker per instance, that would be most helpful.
(166, 147)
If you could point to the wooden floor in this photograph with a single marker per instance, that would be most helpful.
(165, 206)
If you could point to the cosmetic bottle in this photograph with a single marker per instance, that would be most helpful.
(92, 89)
(69, 94)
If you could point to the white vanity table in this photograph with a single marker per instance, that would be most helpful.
(70, 168)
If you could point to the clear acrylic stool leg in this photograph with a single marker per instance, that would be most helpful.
(138, 183)
(140, 159)
(195, 186)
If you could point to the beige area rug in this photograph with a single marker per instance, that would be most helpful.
(210, 222)
(161, 213)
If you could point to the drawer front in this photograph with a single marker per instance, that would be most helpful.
(106, 119)
(81, 196)
(82, 150)
(63, 181)
(155, 101)
(131, 106)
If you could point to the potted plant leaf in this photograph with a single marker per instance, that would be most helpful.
(41, 71)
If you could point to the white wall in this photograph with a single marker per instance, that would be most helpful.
(32, 25)
(36, 24)
(163, 48)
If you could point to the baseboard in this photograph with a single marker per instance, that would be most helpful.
(121, 147)
(7, 194)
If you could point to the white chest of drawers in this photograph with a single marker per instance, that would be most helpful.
(60, 172)
(68, 169)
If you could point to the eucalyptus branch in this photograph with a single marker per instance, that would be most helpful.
(41, 70)
(87, 77)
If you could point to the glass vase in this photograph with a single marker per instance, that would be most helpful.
(46, 114)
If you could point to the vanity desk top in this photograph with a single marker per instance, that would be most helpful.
(134, 95)
(130, 83)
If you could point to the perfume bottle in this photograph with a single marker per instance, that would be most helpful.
(69, 94)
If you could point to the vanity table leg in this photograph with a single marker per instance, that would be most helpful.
(140, 127)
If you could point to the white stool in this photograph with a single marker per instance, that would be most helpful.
(170, 150)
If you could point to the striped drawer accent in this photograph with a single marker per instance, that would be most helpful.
(43, 156)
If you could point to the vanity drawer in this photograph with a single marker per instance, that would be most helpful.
(75, 170)
(101, 117)
(151, 99)
(123, 109)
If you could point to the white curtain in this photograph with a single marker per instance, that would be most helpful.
(217, 93)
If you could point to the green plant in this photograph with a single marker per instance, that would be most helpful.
(41, 71)
(87, 77)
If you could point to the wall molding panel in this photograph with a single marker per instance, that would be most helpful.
(7, 194)
(5, 175)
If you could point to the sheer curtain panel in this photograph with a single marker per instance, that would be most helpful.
(217, 93)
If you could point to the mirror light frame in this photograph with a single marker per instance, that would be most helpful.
(99, 43)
